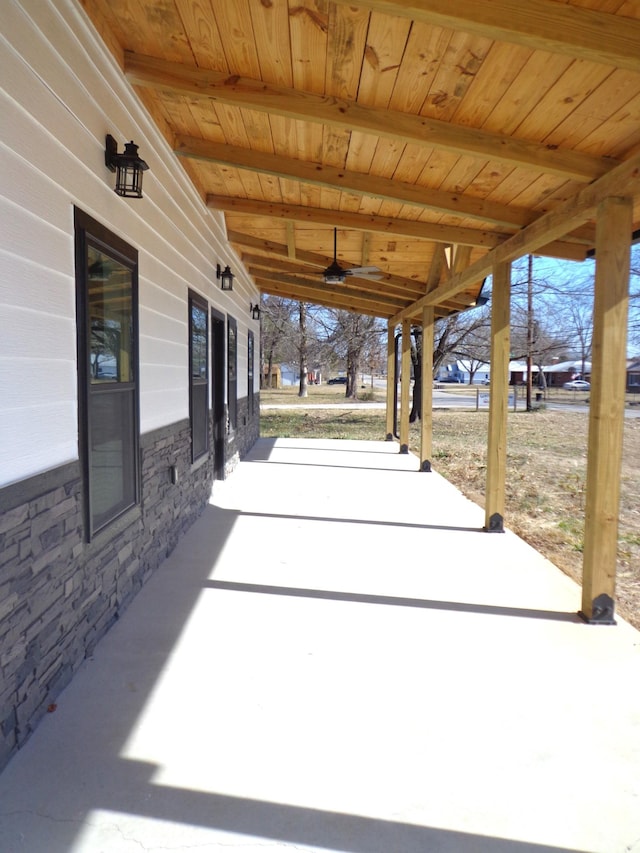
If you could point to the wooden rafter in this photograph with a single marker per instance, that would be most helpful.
(539, 24)
(373, 186)
(361, 222)
(278, 100)
(403, 227)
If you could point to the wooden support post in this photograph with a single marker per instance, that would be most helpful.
(405, 386)
(606, 410)
(498, 399)
(426, 420)
(391, 380)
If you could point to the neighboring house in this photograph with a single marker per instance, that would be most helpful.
(481, 371)
(130, 379)
(557, 374)
(290, 375)
(275, 380)
(450, 373)
(633, 376)
(461, 370)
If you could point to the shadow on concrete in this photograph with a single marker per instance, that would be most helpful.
(365, 521)
(393, 601)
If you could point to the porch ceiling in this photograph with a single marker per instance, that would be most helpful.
(410, 126)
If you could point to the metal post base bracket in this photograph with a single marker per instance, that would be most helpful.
(602, 609)
(389, 437)
(426, 466)
(404, 448)
(496, 524)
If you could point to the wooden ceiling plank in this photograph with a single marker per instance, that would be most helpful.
(383, 56)
(422, 57)
(291, 241)
(493, 79)
(521, 98)
(203, 35)
(270, 22)
(348, 27)
(465, 55)
(249, 93)
(309, 27)
(563, 99)
(539, 24)
(355, 182)
(623, 181)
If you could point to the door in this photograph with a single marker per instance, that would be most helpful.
(217, 392)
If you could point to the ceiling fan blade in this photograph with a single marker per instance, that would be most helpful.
(374, 273)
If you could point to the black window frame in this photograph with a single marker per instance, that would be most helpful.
(232, 372)
(198, 385)
(114, 394)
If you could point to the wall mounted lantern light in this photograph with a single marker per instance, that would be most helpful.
(254, 310)
(226, 277)
(127, 166)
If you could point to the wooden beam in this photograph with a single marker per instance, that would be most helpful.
(622, 181)
(405, 386)
(402, 227)
(240, 238)
(426, 419)
(244, 92)
(366, 248)
(373, 186)
(498, 400)
(606, 409)
(291, 241)
(538, 24)
(358, 221)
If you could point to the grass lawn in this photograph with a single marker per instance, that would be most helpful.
(546, 472)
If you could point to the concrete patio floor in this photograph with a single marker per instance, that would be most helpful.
(337, 658)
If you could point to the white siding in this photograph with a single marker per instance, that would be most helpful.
(62, 93)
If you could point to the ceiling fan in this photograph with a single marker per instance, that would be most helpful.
(335, 274)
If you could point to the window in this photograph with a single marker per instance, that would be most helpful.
(198, 376)
(250, 374)
(107, 297)
(232, 372)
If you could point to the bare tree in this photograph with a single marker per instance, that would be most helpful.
(634, 299)
(277, 328)
(303, 350)
(352, 337)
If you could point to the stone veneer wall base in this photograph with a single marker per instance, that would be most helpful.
(59, 594)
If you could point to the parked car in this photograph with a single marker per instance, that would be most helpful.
(338, 380)
(577, 385)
